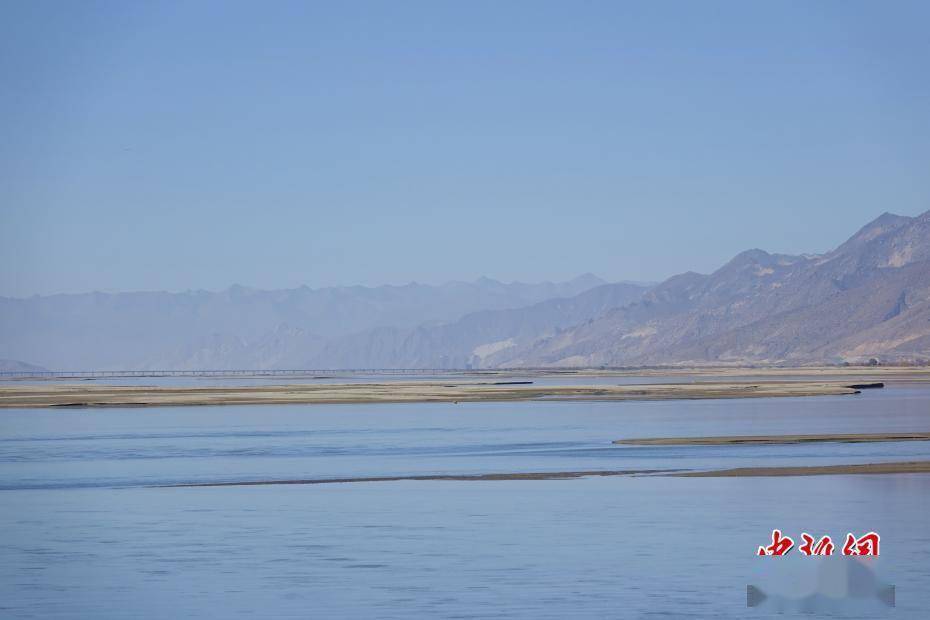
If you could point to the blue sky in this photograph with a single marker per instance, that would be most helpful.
(160, 145)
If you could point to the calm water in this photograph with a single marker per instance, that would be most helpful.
(83, 534)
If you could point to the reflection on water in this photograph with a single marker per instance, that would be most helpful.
(75, 546)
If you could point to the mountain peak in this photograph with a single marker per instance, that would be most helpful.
(747, 258)
(884, 223)
(486, 280)
(754, 255)
(587, 279)
(889, 240)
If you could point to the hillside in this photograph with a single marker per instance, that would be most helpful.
(870, 297)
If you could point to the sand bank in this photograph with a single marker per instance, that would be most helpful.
(773, 439)
(909, 467)
(906, 467)
(63, 395)
(546, 475)
(898, 374)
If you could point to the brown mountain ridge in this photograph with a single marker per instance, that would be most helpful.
(868, 298)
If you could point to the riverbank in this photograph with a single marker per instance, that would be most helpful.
(70, 395)
(906, 467)
(773, 439)
(544, 475)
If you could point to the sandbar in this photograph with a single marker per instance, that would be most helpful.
(906, 467)
(87, 395)
(542, 475)
(903, 467)
(773, 439)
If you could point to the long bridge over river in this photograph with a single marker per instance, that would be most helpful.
(322, 373)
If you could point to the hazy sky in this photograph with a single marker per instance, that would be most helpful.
(161, 145)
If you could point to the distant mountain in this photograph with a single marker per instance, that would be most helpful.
(17, 366)
(868, 298)
(475, 338)
(239, 327)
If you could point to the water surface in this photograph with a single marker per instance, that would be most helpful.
(84, 535)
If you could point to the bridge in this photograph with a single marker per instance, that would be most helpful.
(322, 373)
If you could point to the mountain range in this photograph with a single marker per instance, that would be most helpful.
(867, 299)
(239, 327)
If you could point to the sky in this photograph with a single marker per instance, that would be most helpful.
(185, 145)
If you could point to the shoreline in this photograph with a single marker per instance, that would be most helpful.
(898, 467)
(772, 439)
(903, 467)
(543, 475)
(70, 395)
